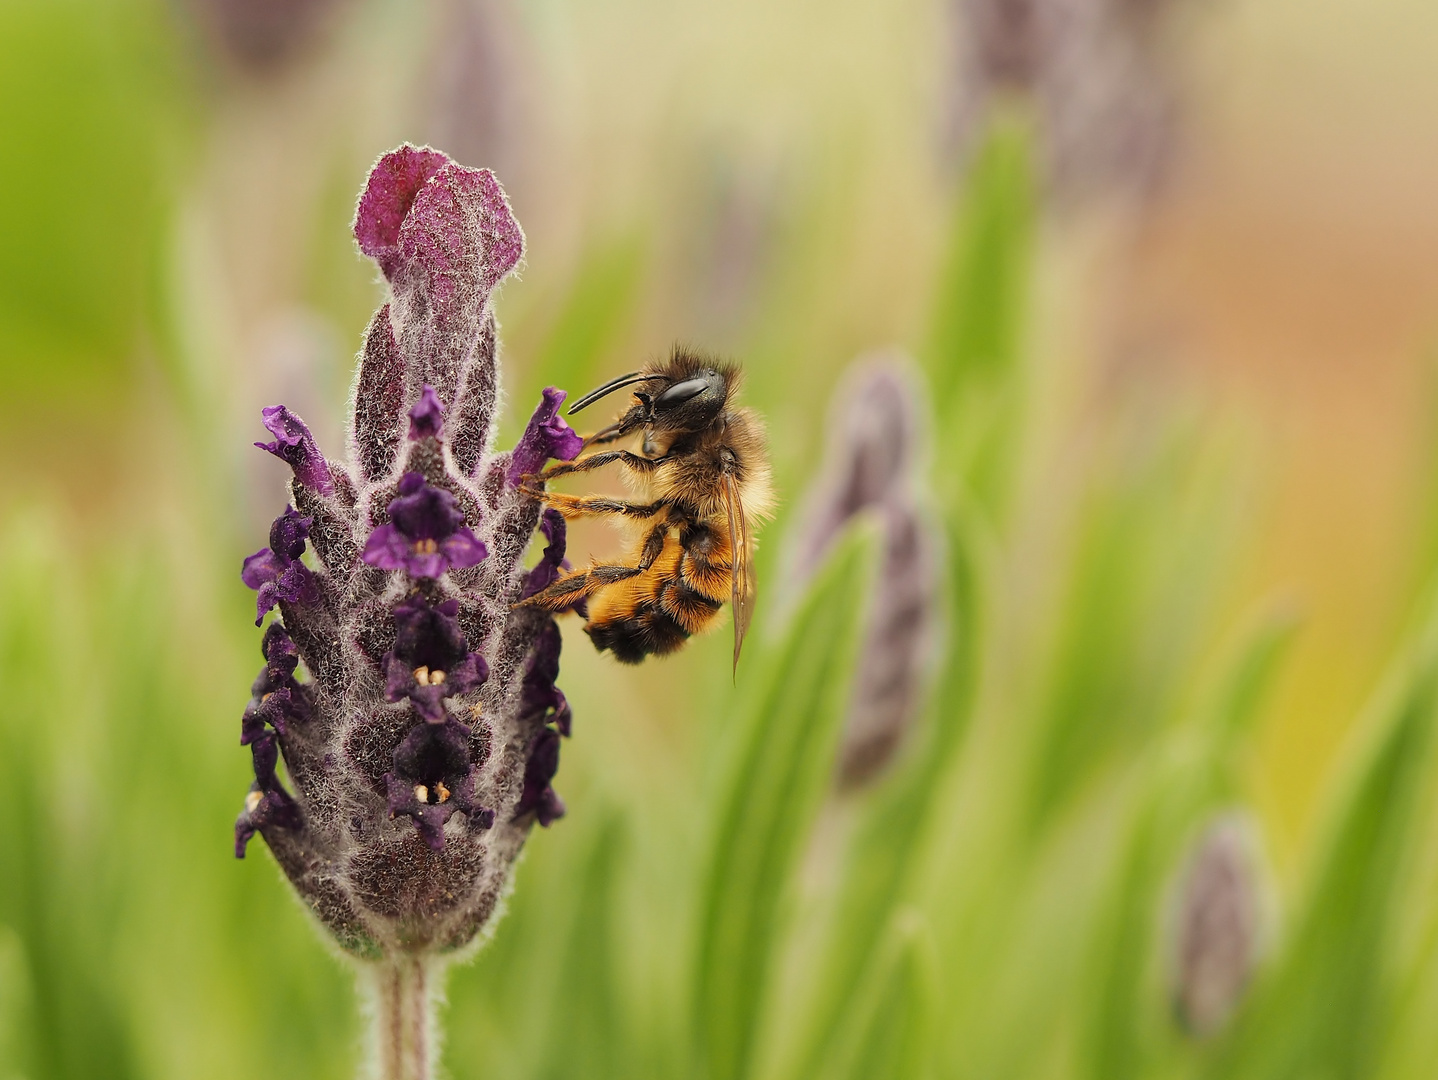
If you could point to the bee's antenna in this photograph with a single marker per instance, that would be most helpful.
(608, 388)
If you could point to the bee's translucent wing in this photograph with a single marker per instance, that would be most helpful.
(741, 594)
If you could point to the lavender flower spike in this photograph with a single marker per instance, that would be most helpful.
(874, 445)
(1218, 926)
(414, 708)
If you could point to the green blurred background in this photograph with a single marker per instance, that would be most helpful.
(1171, 270)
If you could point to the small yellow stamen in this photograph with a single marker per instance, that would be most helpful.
(266, 697)
(421, 675)
(425, 547)
(436, 677)
(421, 793)
(252, 800)
(442, 791)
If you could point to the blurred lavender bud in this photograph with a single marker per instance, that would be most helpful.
(262, 36)
(871, 465)
(1101, 74)
(1217, 927)
(421, 740)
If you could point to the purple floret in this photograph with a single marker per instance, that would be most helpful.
(546, 572)
(430, 660)
(276, 571)
(268, 804)
(296, 446)
(277, 699)
(546, 436)
(432, 779)
(540, 697)
(427, 415)
(426, 535)
(538, 797)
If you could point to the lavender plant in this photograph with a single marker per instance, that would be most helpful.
(414, 708)
(873, 446)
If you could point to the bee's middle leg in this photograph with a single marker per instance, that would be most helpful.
(573, 506)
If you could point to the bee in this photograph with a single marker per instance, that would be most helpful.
(701, 477)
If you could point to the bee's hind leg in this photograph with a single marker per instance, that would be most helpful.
(580, 585)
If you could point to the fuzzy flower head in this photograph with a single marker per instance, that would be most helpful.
(874, 447)
(414, 709)
(1217, 929)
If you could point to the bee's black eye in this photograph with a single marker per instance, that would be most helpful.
(680, 393)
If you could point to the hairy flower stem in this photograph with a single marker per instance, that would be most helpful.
(404, 1000)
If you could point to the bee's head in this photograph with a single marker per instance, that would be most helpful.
(685, 404)
(669, 400)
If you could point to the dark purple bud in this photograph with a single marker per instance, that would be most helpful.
(430, 660)
(548, 569)
(393, 185)
(426, 535)
(1217, 928)
(281, 656)
(296, 446)
(276, 571)
(273, 710)
(276, 698)
(268, 804)
(542, 700)
(546, 436)
(432, 779)
(426, 416)
(538, 797)
(288, 534)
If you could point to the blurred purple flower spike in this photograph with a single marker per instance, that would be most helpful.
(415, 710)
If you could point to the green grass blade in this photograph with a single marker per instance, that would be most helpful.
(983, 291)
(1324, 1010)
(1189, 776)
(589, 1037)
(893, 1041)
(595, 312)
(888, 840)
(769, 806)
(1246, 690)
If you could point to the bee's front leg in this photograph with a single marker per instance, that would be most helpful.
(596, 461)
